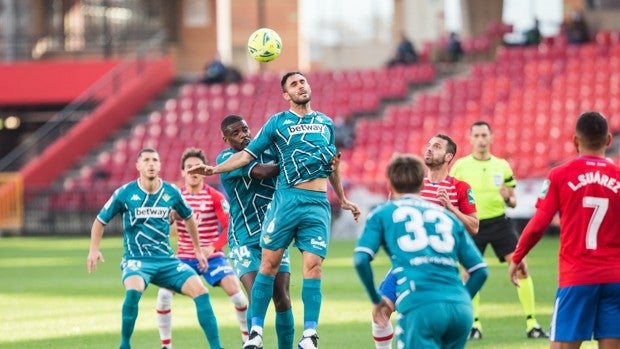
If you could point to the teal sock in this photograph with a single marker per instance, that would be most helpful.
(129, 316)
(262, 291)
(312, 297)
(285, 328)
(207, 320)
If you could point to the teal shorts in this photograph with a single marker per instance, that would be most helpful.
(246, 259)
(299, 215)
(435, 325)
(170, 273)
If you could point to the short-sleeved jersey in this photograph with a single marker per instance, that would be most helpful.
(485, 178)
(249, 198)
(211, 214)
(304, 146)
(426, 243)
(459, 192)
(146, 218)
(586, 192)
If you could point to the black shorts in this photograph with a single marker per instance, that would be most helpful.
(500, 233)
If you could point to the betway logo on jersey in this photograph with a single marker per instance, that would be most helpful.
(306, 128)
(151, 212)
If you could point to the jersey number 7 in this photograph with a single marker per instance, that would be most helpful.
(600, 206)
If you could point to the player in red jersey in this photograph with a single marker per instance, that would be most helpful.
(586, 193)
(210, 209)
(440, 188)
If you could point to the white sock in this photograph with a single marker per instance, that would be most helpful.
(164, 316)
(240, 301)
(382, 335)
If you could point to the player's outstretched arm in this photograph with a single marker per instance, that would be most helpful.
(334, 180)
(202, 169)
(477, 278)
(335, 161)
(94, 255)
(262, 171)
(361, 261)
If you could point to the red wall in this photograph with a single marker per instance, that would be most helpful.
(47, 82)
(114, 112)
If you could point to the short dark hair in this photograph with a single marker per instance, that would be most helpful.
(451, 148)
(229, 120)
(146, 150)
(192, 153)
(592, 130)
(288, 75)
(480, 123)
(406, 173)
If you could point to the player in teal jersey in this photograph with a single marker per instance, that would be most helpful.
(305, 147)
(250, 190)
(145, 205)
(444, 190)
(492, 182)
(426, 243)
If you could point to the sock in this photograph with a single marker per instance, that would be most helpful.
(285, 328)
(248, 317)
(475, 303)
(312, 297)
(382, 335)
(262, 291)
(526, 297)
(163, 306)
(241, 309)
(207, 320)
(129, 316)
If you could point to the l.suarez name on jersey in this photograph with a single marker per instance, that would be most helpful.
(598, 178)
(152, 212)
(306, 128)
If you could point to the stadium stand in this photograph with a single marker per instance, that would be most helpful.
(192, 119)
(528, 94)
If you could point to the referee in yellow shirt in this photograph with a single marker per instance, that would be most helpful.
(492, 182)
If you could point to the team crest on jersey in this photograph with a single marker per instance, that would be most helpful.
(166, 197)
(470, 196)
(545, 189)
(246, 263)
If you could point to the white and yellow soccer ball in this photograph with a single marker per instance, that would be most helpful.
(264, 45)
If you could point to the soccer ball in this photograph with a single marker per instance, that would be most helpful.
(264, 45)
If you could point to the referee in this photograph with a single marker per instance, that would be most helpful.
(492, 182)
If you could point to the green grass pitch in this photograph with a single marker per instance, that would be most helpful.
(48, 300)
